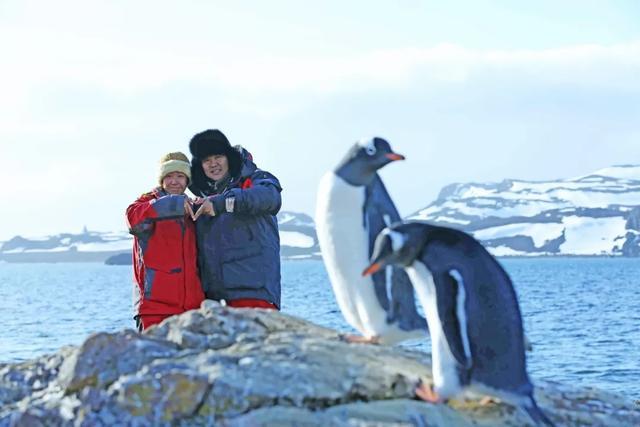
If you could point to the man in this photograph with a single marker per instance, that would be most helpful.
(237, 229)
(164, 246)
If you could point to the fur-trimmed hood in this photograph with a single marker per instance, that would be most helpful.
(241, 166)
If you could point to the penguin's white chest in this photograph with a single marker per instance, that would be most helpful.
(344, 243)
(445, 376)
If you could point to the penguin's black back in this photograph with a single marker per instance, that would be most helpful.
(494, 321)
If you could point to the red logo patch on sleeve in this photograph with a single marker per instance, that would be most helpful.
(246, 184)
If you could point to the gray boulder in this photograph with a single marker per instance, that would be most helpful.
(246, 367)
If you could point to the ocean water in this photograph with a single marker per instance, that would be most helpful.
(582, 315)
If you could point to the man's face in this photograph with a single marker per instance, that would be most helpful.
(215, 166)
(175, 183)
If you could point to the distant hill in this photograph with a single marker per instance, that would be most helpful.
(592, 215)
(88, 246)
(595, 214)
(297, 237)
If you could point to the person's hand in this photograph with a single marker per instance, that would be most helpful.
(187, 207)
(206, 207)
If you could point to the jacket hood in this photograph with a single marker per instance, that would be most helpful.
(241, 165)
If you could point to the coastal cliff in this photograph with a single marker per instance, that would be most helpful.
(244, 367)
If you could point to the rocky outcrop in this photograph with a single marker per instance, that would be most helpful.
(631, 245)
(243, 367)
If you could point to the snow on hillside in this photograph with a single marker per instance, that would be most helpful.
(629, 172)
(297, 240)
(294, 219)
(618, 185)
(540, 233)
(87, 241)
(592, 236)
(594, 214)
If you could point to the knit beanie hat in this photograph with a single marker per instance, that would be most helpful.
(174, 162)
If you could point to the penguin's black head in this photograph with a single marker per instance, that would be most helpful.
(399, 244)
(363, 160)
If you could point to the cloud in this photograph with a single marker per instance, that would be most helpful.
(395, 68)
(113, 106)
(45, 58)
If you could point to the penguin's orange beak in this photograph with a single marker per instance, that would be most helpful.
(394, 156)
(373, 268)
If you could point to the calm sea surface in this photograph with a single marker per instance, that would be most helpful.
(581, 314)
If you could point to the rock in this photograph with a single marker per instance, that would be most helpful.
(249, 367)
(20, 380)
(145, 394)
(124, 258)
(631, 245)
(105, 357)
(633, 219)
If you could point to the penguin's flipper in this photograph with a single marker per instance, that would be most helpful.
(378, 212)
(393, 287)
(449, 295)
(403, 303)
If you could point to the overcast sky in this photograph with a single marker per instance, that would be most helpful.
(92, 93)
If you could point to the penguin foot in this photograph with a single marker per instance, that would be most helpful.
(488, 400)
(359, 339)
(427, 393)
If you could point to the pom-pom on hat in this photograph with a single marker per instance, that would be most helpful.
(174, 162)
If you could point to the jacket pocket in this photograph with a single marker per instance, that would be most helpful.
(164, 286)
(243, 268)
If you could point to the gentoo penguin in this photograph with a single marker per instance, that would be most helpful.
(353, 206)
(471, 307)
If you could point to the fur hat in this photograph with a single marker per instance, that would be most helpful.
(212, 141)
(174, 162)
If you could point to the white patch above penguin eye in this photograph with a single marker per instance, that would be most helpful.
(368, 145)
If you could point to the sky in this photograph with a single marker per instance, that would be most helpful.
(93, 93)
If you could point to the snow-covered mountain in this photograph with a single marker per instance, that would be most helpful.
(595, 214)
(297, 238)
(87, 246)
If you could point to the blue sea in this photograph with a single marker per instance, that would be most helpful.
(582, 315)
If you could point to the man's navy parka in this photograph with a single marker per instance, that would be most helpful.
(238, 251)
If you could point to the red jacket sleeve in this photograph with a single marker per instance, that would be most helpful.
(140, 215)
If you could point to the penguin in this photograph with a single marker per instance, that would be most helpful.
(477, 340)
(353, 206)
